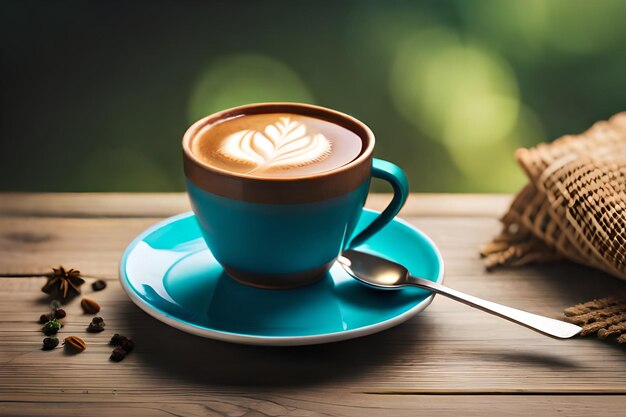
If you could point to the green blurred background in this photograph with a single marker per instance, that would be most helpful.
(97, 94)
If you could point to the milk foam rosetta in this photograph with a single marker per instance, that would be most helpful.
(276, 145)
(284, 144)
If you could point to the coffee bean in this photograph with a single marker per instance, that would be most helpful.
(75, 344)
(98, 285)
(89, 305)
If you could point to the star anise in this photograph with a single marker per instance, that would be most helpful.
(63, 284)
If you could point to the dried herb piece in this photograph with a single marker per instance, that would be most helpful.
(59, 313)
(128, 345)
(44, 318)
(122, 341)
(50, 343)
(117, 339)
(55, 304)
(75, 344)
(98, 285)
(64, 284)
(89, 305)
(96, 325)
(94, 329)
(118, 354)
(51, 327)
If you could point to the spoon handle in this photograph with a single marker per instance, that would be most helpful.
(544, 325)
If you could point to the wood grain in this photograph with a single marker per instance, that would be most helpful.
(449, 360)
(329, 404)
(79, 205)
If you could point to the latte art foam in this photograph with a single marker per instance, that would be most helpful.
(284, 144)
(276, 145)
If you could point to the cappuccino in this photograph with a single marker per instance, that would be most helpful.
(276, 145)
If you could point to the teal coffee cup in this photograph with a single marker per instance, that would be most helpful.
(269, 218)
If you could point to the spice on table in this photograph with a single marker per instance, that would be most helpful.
(50, 343)
(128, 345)
(63, 283)
(124, 346)
(118, 354)
(51, 327)
(98, 285)
(117, 339)
(97, 325)
(57, 312)
(75, 344)
(89, 305)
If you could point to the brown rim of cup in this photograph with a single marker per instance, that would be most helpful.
(282, 190)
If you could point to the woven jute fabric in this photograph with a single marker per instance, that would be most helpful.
(604, 317)
(574, 205)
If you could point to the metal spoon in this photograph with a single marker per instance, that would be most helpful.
(384, 274)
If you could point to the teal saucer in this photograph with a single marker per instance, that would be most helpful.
(170, 273)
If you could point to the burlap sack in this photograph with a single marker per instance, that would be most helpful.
(574, 205)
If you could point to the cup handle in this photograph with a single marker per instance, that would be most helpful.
(397, 178)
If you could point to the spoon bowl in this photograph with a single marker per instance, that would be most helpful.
(374, 271)
(384, 274)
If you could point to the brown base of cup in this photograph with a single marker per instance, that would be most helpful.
(278, 281)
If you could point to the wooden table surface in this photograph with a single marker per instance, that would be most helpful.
(449, 360)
